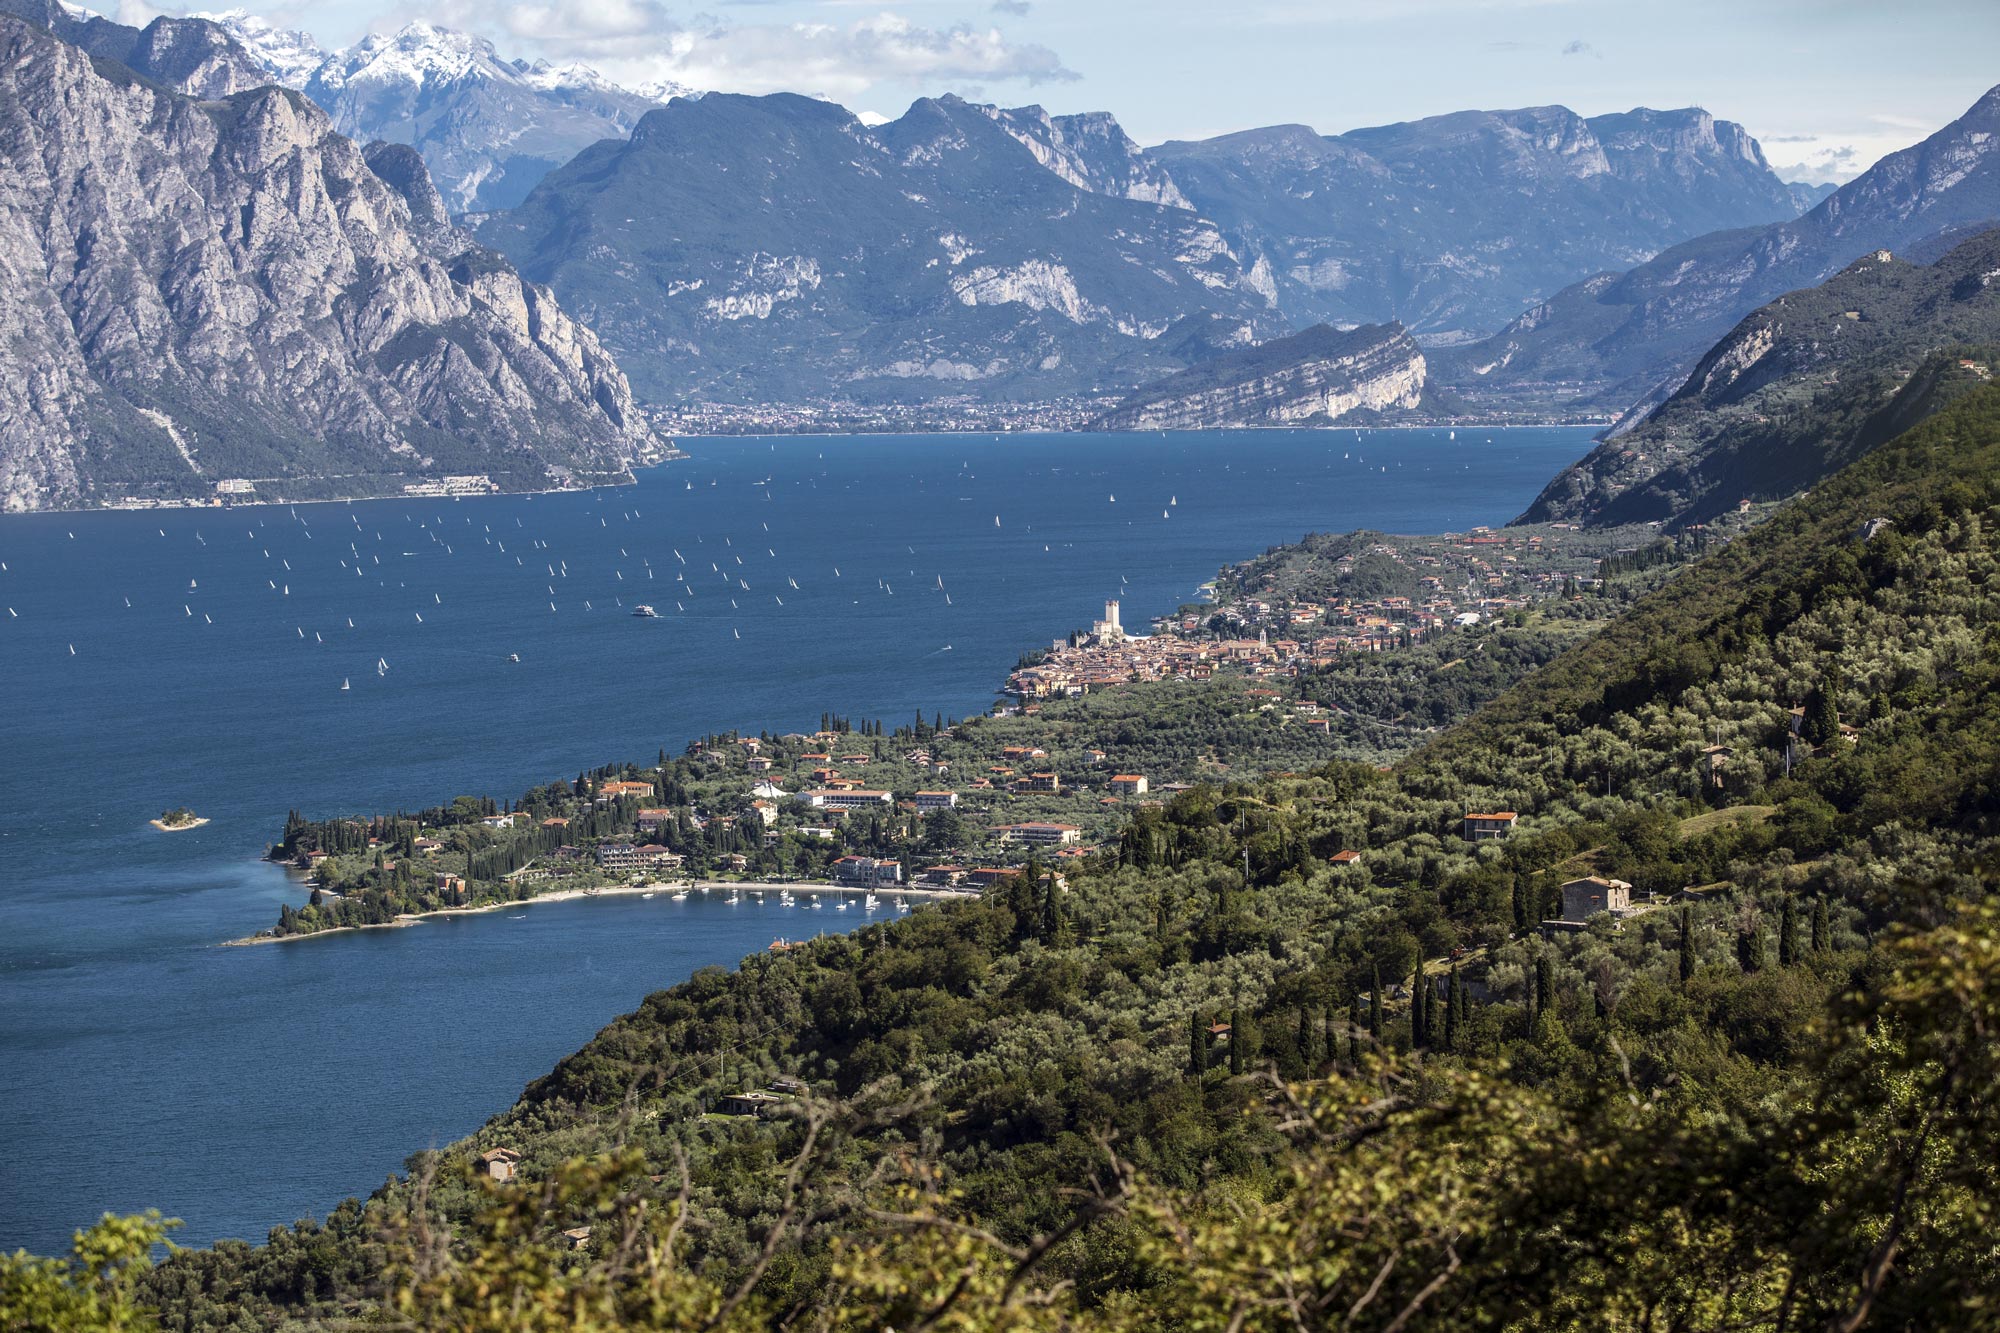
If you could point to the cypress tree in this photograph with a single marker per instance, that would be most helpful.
(1521, 918)
(1306, 1052)
(1197, 1047)
(1822, 932)
(1750, 948)
(1375, 1005)
(1236, 1035)
(1545, 984)
(1687, 945)
(1454, 1002)
(1788, 933)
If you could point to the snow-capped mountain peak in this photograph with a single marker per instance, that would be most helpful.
(290, 55)
(488, 127)
(419, 54)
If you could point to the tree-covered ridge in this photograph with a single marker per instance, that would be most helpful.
(1766, 1104)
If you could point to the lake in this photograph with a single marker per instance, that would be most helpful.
(197, 658)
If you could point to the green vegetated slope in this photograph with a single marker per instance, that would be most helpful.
(1765, 1105)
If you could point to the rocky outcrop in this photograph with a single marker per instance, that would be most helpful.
(1312, 378)
(200, 291)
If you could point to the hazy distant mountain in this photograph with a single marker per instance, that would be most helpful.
(746, 248)
(1316, 377)
(487, 127)
(216, 289)
(1454, 224)
(1798, 390)
(1807, 196)
(1615, 339)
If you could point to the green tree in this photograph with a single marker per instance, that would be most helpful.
(94, 1289)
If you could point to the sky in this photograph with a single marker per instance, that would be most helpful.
(1827, 86)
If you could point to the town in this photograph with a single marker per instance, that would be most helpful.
(1308, 606)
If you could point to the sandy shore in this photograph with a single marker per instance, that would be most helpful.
(707, 886)
(165, 827)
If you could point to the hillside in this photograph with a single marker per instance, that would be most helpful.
(1796, 391)
(1616, 339)
(1312, 378)
(1044, 1109)
(229, 291)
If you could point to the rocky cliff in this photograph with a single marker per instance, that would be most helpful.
(207, 291)
(1312, 378)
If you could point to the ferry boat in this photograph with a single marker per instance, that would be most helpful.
(645, 612)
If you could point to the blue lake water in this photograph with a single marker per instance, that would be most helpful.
(196, 657)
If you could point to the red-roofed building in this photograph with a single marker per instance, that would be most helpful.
(1487, 827)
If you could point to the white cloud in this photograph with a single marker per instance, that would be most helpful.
(637, 41)
(1833, 157)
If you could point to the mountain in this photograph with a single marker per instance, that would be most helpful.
(288, 55)
(1453, 224)
(1092, 152)
(186, 54)
(201, 291)
(1796, 391)
(487, 127)
(777, 249)
(1806, 196)
(1616, 339)
(1315, 377)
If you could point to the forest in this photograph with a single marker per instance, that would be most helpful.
(1226, 1081)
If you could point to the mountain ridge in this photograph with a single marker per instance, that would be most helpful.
(241, 296)
(1799, 388)
(1629, 336)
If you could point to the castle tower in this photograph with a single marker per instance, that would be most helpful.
(1111, 618)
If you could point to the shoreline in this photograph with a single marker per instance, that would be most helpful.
(1592, 424)
(678, 455)
(704, 887)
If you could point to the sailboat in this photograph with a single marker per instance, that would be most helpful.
(381, 666)
(343, 683)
